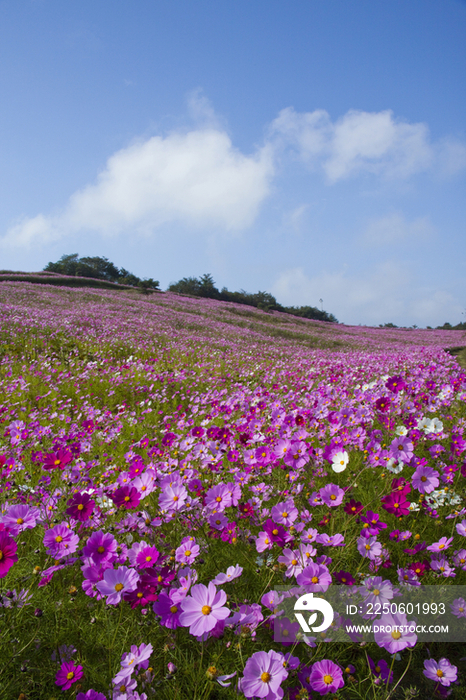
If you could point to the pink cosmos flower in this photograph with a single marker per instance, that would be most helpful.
(137, 657)
(8, 554)
(402, 449)
(458, 607)
(116, 582)
(203, 609)
(443, 672)
(293, 561)
(326, 677)
(263, 675)
(397, 633)
(68, 674)
(331, 494)
(173, 497)
(425, 479)
(90, 695)
(441, 545)
(60, 541)
(187, 551)
(218, 498)
(461, 528)
(285, 513)
(20, 517)
(315, 577)
(369, 547)
(231, 573)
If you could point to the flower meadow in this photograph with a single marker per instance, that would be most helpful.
(168, 463)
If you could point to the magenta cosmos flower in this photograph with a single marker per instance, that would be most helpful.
(81, 506)
(326, 677)
(116, 582)
(90, 695)
(263, 675)
(443, 672)
(203, 609)
(68, 674)
(396, 503)
(57, 460)
(8, 554)
(101, 547)
(126, 497)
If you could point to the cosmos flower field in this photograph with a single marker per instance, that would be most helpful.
(167, 464)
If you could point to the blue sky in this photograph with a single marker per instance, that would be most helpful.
(315, 150)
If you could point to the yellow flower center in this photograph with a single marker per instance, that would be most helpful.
(118, 587)
(332, 497)
(57, 462)
(58, 538)
(206, 610)
(265, 677)
(294, 562)
(148, 558)
(327, 679)
(368, 546)
(80, 506)
(315, 579)
(274, 532)
(20, 521)
(188, 553)
(126, 498)
(396, 634)
(439, 673)
(173, 609)
(376, 591)
(70, 675)
(101, 549)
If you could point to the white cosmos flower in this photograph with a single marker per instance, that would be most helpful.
(339, 461)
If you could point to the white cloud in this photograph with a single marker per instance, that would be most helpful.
(196, 178)
(395, 229)
(387, 293)
(359, 141)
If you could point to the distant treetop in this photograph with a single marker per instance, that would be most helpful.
(98, 268)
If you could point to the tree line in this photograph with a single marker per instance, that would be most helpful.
(204, 286)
